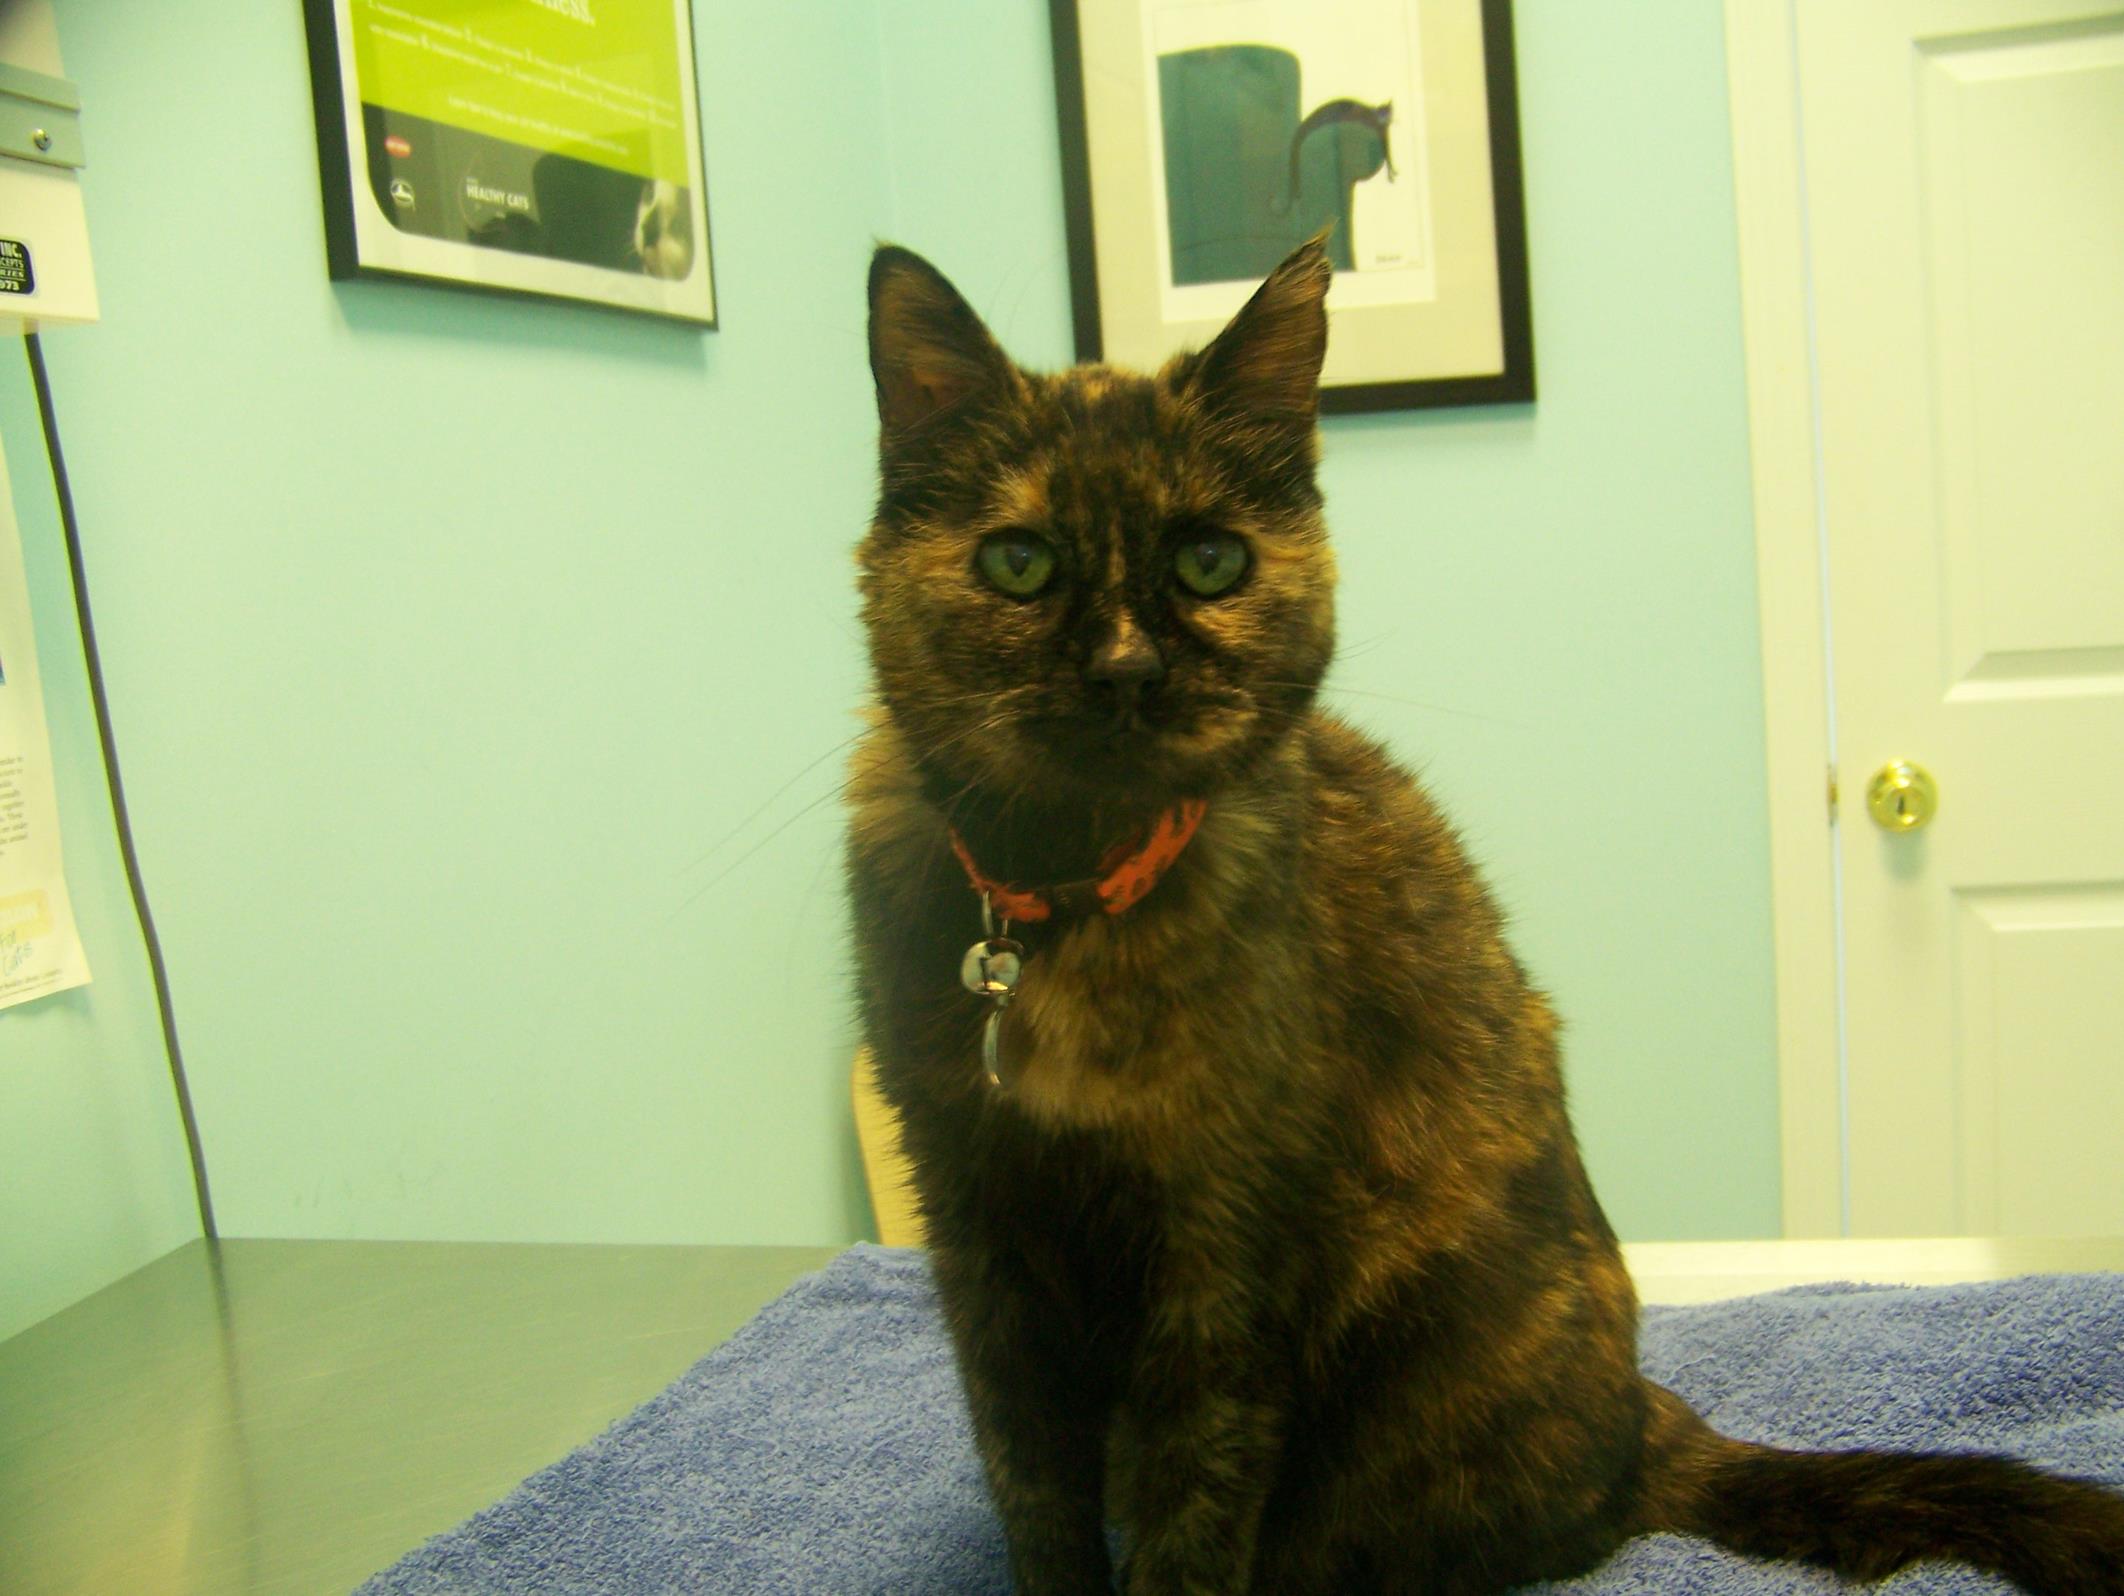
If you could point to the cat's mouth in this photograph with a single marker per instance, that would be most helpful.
(1088, 749)
(1131, 722)
(1156, 742)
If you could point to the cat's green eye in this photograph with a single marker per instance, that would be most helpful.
(1209, 563)
(1017, 563)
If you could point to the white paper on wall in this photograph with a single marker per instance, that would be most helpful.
(40, 951)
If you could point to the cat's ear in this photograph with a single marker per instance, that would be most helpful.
(929, 352)
(1266, 362)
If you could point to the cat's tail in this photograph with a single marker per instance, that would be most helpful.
(1867, 1514)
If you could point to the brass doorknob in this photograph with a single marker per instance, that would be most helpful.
(1902, 796)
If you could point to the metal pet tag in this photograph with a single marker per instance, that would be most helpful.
(992, 966)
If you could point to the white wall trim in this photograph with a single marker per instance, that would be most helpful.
(1762, 79)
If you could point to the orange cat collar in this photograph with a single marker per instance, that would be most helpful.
(1126, 875)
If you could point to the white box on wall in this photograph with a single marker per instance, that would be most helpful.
(45, 275)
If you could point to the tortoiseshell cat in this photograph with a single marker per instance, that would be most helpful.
(1273, 1244)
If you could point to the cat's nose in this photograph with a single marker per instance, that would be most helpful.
(1127, 660)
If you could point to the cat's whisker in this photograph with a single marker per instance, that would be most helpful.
(839, 790)
(1393, 698)
(1364, 645)
(770, 800)
(986, 724)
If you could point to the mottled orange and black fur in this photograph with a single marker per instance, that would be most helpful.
(1279, 1254)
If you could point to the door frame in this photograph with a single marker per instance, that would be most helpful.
(1762, 78)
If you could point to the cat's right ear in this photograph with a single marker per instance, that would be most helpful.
(1265, 365)
(929, 352)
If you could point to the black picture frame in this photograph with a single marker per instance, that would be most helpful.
(588, 234)
(1470, 346)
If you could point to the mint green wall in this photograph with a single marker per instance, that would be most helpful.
(93, 1176)
(447, 636)
(1573, 585)
(450, 637)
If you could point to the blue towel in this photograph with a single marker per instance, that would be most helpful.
(824, 1450)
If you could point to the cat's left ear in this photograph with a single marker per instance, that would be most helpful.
(1265, 365)
(929, 352)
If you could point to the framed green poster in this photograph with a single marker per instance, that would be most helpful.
(547, 147)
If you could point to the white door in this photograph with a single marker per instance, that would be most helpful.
(1963, 166)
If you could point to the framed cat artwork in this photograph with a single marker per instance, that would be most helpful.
(550, 148)
(1204, 140)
